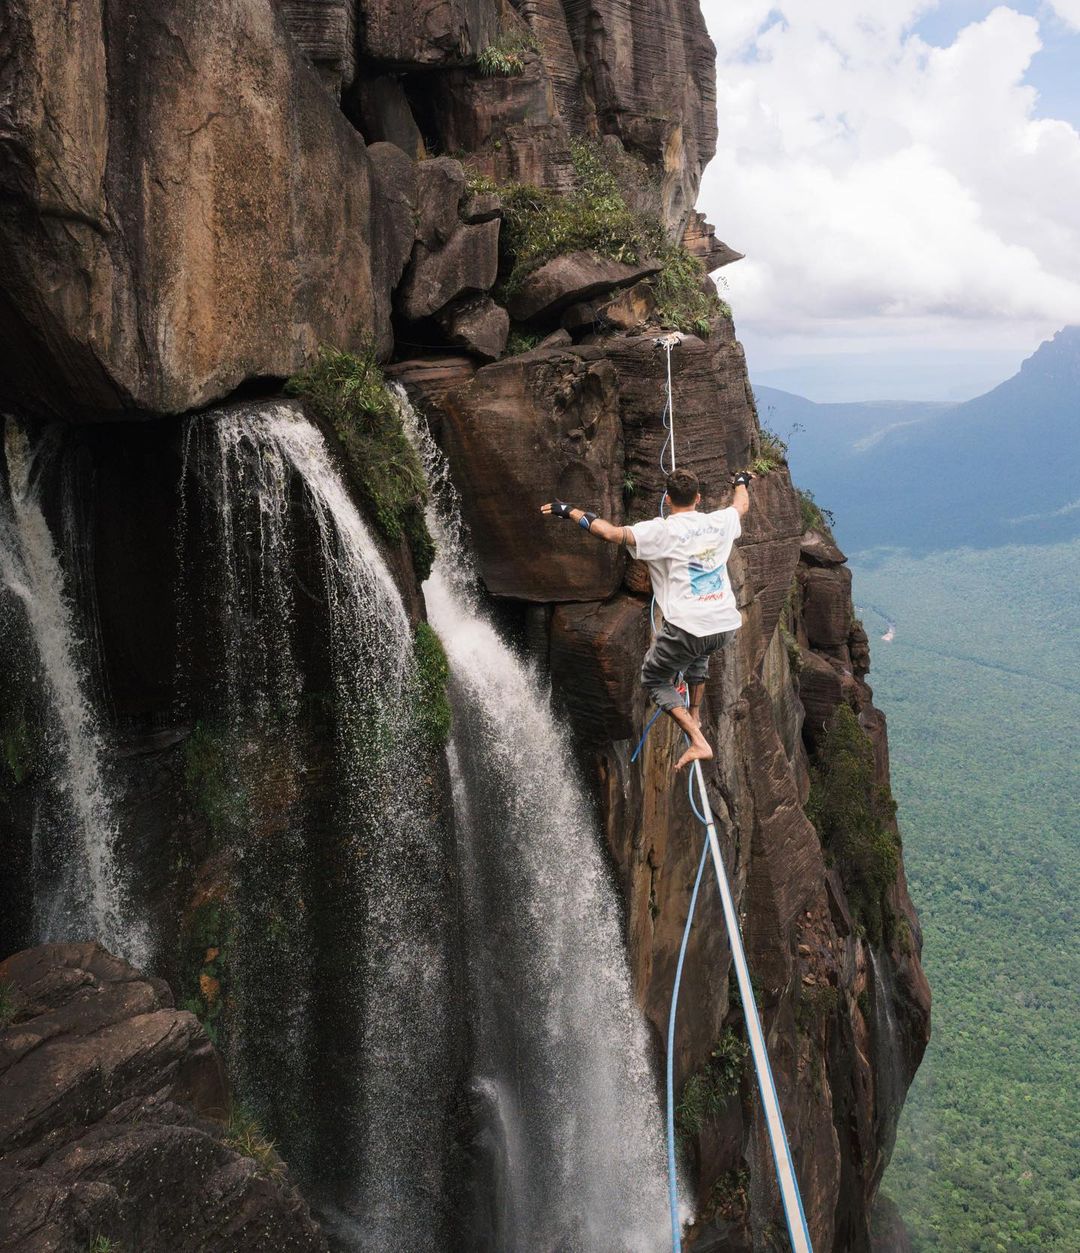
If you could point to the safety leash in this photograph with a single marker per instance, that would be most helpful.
(794, 1214)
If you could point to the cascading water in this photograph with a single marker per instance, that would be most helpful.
(887, 1048)
(79, 891)
(339, 965)
(572, 1134)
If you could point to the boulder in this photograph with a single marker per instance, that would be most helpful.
(482, 208)
(820, 550)
(417, 32)
(111, 1103)
(595, 659)
(570, 278)
(627, 311)
(467, 264)
(479, 325)
(700, 240)
(820, 690)
(395, 186)
(526, 430)
(183, 207)
(384, 114)
(440, 188)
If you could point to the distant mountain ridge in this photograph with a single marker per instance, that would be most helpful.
(1003, 468)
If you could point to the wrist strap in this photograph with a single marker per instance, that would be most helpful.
(586, 520)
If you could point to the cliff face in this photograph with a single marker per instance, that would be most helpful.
(192, 202)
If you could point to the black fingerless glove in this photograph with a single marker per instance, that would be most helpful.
(560, 509)
(742, 479)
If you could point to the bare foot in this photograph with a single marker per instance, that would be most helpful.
(699, 750)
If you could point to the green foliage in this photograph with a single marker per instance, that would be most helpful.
(520, 341)
(791, 644)
(506, 57)
(7, 1005)
(706, 1092)
(814, 518)
(348, 391)
(771, 452)
(18, 752)
(685, 298)
(245, 1136)
(432, 677)
(730, 1195)
(815, 1004)
(479, 184)
(204, 975)
(216, 793)
(103, 1244)
(981, 691)
(852, 814)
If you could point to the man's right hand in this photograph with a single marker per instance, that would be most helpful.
(557, 509)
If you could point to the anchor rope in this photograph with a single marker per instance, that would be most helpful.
(794, 1214)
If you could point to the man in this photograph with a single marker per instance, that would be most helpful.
(687, 554)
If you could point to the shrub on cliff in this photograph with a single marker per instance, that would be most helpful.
(432, 677)
(853, 814)
(506, 56)
(603, 214)
(348, 392)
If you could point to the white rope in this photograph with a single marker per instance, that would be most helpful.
(774, 1121)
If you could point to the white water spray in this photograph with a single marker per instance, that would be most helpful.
(561, 1045)
(88, 901)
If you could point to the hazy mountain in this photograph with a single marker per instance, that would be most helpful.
(1003, 468)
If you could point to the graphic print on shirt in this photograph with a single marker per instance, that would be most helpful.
(706, 575)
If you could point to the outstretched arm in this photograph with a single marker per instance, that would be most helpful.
(741, 483)
(590, 522)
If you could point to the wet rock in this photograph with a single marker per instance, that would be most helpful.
(480, 326)
(465, 265)
(107, 1093)
(122, 213)
(570, 278)
(526, 430)
(595, 659)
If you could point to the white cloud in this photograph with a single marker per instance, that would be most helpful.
(876, 182)
(1068, 11)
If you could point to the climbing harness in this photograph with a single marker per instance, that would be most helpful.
(785, 1171)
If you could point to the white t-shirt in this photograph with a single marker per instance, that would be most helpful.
(687, 557)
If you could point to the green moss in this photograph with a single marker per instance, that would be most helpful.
(791, 644)
(432, 677)
(348, 391)
(863, 1002)
(245, 1136)
(520, 341)
(852, 813)
(685, 298)
(506, 56)
(814, 518)
(815, 1005)
(706, 1092)
(216, 794)
(204, 974)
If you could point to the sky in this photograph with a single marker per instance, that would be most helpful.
(904, 179)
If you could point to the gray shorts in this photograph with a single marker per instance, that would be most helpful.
(674, 652)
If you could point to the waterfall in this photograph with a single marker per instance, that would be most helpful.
(79, 891)
(341, 975)
(561, 1055)
(887, 1048)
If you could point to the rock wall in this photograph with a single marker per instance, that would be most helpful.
(193, 200)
